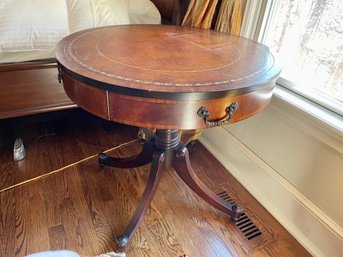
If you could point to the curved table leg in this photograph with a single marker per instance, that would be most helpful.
(183, 168)
(143, 158)
(157, 168)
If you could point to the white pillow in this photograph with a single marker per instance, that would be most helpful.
(32, 28)
(79, 15)
(143, 12)
(27, 25)
(34, 24)
(110, 12)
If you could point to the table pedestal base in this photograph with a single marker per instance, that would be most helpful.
(164, 151)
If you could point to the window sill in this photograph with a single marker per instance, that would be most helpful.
(312, 119)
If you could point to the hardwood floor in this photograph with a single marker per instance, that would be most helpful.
(84, 207)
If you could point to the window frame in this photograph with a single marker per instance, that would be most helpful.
(269, 14)
(256, 21)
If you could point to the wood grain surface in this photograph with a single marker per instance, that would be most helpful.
(30, 88)
(84, 208)
(166, 7)
(166, 59)
(160, 113)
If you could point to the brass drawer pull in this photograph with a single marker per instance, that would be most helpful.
(205, 114)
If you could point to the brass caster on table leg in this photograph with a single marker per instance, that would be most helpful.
(237, 211)
(122, 242)
(101, 157)
(101, 160)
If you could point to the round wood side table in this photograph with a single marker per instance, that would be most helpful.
(170, 79)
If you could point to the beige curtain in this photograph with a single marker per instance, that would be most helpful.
(230, 17)
(201, 14)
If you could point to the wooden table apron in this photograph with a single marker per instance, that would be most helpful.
(160, 76)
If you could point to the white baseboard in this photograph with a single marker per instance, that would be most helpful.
(312, 227)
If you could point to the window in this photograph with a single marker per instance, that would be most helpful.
(307, 38)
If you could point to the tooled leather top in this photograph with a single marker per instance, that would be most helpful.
(166, 59)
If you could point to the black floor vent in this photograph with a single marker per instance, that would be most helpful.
(245, 224)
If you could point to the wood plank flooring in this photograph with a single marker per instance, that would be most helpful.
(84, 207)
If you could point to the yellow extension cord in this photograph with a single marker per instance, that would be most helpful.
(65, 167)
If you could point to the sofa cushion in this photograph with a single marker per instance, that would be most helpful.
(110, 12)
(29, 30)
(143, 12)
(34, 24)
(79, 15)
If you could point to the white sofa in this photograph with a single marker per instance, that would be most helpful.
(29, 30)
